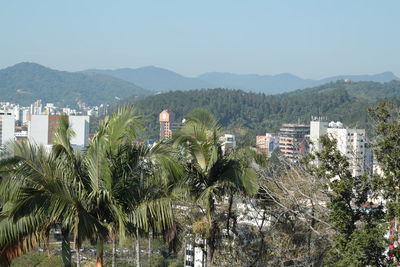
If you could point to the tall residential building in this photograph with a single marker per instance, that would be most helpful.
(350, 142)
(292, 141)
(7, 127)
(318, 128)
(166, 124)
(42, 129)
(266, 144)
(36, 108)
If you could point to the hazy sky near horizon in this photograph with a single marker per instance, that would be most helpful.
(308, 38)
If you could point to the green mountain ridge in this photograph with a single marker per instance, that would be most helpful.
(26, 82)
(369, 90)
(250, 114)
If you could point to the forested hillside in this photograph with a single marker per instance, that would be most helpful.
(24, 83)
(368, 90)
(250, 114)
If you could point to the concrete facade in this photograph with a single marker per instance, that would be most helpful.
(42, 129)
(7, 127)
(350, 142)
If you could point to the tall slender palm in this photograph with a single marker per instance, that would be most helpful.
(127, 182)
(74, 166)
(210, 173)
(155, 173)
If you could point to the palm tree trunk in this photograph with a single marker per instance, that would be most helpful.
(65, 248)
(209, 254)
(229, 215)
(99, 252)
(149, 252)
(137, 248)
(47, 243)
(113, 251)
(78, 257)
(184, 252)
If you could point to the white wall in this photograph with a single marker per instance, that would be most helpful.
(38, 129)
(8, 128)
(80, 125)
(317, 129)
(351, 143)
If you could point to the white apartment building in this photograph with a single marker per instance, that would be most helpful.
(350, 142)
(36, 108)
(7, 127)
(42, 129)
(80, 125)
(228, 142)
(195, 255)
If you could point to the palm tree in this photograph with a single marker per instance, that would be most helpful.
(74, 166)
(155, 173)
(41, 184)
(113, 185)
(19, 237)
(211, 174)
(108, 189)
(128, 183)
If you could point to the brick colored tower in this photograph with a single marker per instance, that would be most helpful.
(166, 121)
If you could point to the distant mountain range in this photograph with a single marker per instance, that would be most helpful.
(164, 80)
(26, 82)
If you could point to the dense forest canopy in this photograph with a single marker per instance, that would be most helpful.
(251, 114)
(363, 89)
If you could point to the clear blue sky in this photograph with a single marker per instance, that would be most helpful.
(312, 39)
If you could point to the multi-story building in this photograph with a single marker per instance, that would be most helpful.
(292, 141)
(167, 124)
(318, 128)
(195, 255)
(266, 144)
(21, 136)
(7, 127)
(350, 142)
(262, 144)
(42, 129)
(228, 142)
(36, 108)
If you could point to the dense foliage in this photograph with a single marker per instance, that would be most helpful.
(251, 114)
(237, 207)
(367, 90)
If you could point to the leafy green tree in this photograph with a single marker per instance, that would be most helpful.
(350, 212)
(387, 152)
